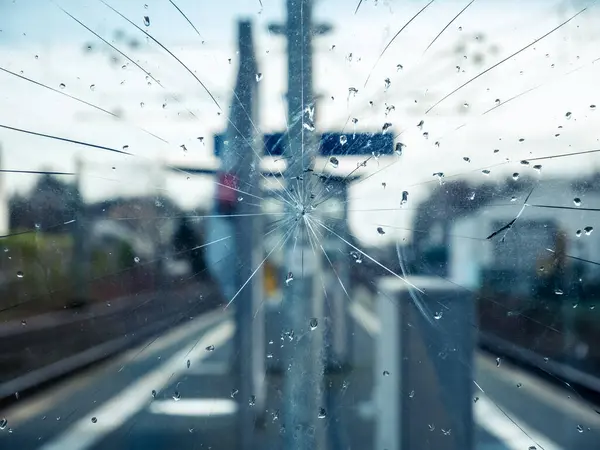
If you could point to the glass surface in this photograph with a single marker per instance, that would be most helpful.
(299, 224)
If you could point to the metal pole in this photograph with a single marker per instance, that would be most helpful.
(79, 263)
(304, 368)
(242, 161)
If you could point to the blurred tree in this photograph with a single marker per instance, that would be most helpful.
(50, 203)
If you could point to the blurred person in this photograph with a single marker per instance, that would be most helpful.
(187, 242)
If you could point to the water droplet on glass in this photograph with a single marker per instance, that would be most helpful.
(3, 423)
(387, 83)
(398, 149)
(578, 233)
(322, 413)
(386, 373)
(431, 427)
(524, 162)
(568, 115)
(476, 399)
(153, 393)
(532, 447)
(437, 315)
(210, 348)
(558, 291)
(20, 274)
(404, 197)
(471, 196)
(519, 385)
(357, 257)
(426, 134)
(577, 201)
(592, 106)
(92, 87)
(420, 124)
(352, 91)
(466, 158)
(497, 101)
(147, 21)
(399, 67)
(289, 278)
(259, 76)
(176, 396)
(343, 139)
(521, 139)
(234, 392)
(465, 105)
(188, 363)
(314, 323)
(94, 420)
(386, 126)
(142, 104)
(62, 85)
(498, 361)
(411, 394)
(588, 230)
(537, 167)
(308, 125)
(252, 400)
(580, 428)
(485, 172)
(334, 162)
(380, 230)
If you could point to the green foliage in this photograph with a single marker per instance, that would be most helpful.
(44, 262)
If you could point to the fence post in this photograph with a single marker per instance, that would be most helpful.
(423, 374)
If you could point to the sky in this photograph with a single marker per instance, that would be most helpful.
(40, 41)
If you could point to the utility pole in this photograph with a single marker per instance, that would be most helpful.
(241, 163)
(303, 405)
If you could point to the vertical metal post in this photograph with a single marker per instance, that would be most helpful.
(242, 161)
(79, 262)
(304, 367)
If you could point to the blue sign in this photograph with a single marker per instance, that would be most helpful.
(356, 144)
(339, 144)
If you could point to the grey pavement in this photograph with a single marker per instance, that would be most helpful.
(111, 405)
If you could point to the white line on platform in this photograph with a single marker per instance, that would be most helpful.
(491, 419)
(208, 368)
(365, 318)
(195, 407)
(83, 434)
(559, 398)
